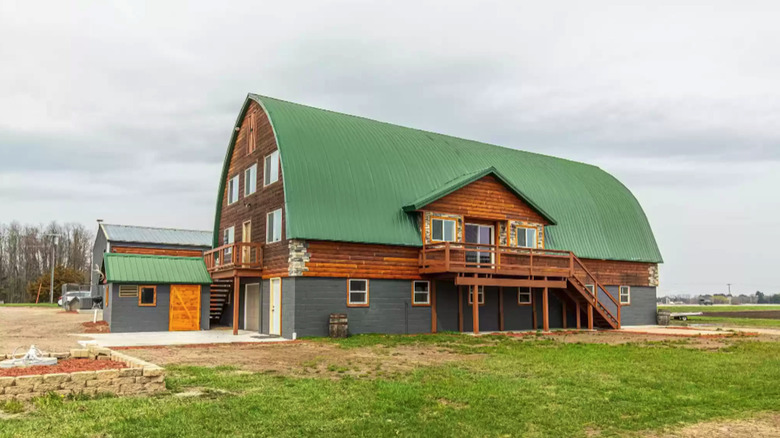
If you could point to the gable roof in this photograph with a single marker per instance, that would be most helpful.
(463, 181)
(348, 178)
(159, 236)
(137, 268)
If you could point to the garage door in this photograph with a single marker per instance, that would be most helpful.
(185, 307)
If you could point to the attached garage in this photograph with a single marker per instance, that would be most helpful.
(148, 293)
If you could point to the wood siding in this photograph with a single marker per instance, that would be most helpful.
(256, 206)
(157, 251)
(487, 199)
(610, 272)
(360, 260)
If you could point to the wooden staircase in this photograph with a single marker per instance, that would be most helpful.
(220, 296)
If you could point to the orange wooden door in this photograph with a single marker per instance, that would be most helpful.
(184, 311)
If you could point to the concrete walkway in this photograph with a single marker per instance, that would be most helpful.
(146, 339)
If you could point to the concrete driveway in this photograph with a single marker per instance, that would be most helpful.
(149, 339)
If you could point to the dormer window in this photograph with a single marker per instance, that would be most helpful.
(443, 230)
(526, 237)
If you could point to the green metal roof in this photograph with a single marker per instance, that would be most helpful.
(348, 178)
(136, 268)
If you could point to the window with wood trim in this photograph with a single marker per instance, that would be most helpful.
(271, 169)
(147, 296)
(525, 237)
(443, 230)
(591, 288)
(357, 293)
(233, 190)
(273, 226)
(524, 296)
(228, 238)
(480, 294)
(625, 295)
(250, 180)
(421, 293)
(128, 291)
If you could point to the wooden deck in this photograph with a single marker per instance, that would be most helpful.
(240, 259)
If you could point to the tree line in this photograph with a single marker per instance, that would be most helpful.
(26, 258)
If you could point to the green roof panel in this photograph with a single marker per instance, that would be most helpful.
(348, 178)
(135, 268)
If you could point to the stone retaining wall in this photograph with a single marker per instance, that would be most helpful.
(139, 377)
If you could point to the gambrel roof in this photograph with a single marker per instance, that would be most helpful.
(348, 178)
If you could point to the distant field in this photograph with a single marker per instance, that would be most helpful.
(29, 305)
(719, 308)
(731, 322)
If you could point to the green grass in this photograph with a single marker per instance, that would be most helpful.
(730, 322)
(740, 308)
(29, 305)
(512, 388)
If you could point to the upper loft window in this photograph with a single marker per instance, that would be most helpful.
(526, 237)
(443, 230)
(625, 295)
(273, 226)
(250, 180)
(271, 170)
(233, 190)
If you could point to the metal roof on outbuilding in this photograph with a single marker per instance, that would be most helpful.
(136, 268)
(159, 236)
(348, 178)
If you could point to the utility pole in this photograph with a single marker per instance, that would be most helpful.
(729, 285)
(53, 255)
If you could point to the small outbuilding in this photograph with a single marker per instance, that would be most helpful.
(148, 293)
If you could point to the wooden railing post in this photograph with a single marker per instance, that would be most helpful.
(531, 269)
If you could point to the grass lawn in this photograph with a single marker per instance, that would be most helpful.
(740, 308)
(502, 387)
(730, 322)
(29, 305)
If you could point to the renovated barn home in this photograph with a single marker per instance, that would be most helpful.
(408, 231)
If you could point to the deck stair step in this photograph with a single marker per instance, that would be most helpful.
(220, 296)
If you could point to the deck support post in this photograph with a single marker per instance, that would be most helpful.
(563, 307)
(545, 310)
(475, 307)
(578, 314)
(590, 317)
(236, 287)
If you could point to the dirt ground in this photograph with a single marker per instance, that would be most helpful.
(766, 426)
(47, 328)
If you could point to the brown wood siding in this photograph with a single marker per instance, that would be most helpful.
(360, 260)
(157, 251)
(616, 273)
(486, 198)
(256, 206)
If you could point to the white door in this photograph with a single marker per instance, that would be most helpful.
(276, 307)
(252, 307)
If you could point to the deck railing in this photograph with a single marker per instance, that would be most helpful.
(239, 255)
(473, 258)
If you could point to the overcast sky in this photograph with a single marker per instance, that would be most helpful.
(123, 110)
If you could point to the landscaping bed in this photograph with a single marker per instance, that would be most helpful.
(63, 366)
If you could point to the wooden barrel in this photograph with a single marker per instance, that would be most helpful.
(663, 317)
(338, 325)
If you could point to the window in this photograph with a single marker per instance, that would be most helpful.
(443, 230)
(625, 295)
(357, 293)
(273, 226)
(148, 296)
(271, 170)
(233, 190)
(524, 295)
(228, 238)
(480, 294)
(591, 288)
(128, 291)
(421, 293)
(250, 180)
(526, 237)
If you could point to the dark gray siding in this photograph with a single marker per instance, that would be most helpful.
(288, 308)
(125, 315)
(107, 306)
(205, 306)
(265, 307)
(488, 312)
(390, 309)
(446, 306)
(642, 310)
(516, 316)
